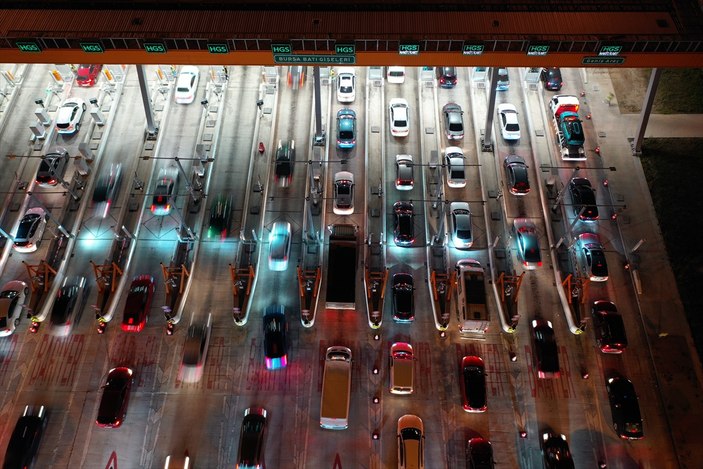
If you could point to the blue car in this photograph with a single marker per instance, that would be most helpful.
(346, 129)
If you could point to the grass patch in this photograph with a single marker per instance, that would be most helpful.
(673, 168)
(680, 90)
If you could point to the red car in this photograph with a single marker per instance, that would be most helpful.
(87, 75)
(113, 404)
(136, 309)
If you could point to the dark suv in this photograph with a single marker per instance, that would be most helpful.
(624, 405)
(551, 77)
(446, 77)
(584, 199)
(285, 159)
(403, 223)
(608, 327)
(403, 310)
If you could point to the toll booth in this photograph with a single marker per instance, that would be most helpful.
(308, 288)
(242, 281)
(576, 289)
(509, 286)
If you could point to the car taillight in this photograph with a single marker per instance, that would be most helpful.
(539, 264)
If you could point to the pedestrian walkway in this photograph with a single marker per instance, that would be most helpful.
(676, 362)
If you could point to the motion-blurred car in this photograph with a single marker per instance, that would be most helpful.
(446, 77)
(115, 398)
(30, 230)
(403, 223)
(473, 388)
(107, 188)
(251, 439)
(503, 79)
(625, 408)
(279, 246)
(516, 172)
(138, 304)
(187, 84)
(456, 167)
(453, 121)
(402, 373)
(583, 197)
(195, 350)
(479, 453)
(527, 243)
(346, 129)
(411, 442)
(165, 191)
(275, 337)
(556, 451)
(87, 74)
(285, 162)
(508, 122)
(404, 179)
(52, 167)
(343, 193)
(25, 438)
(608, 327)
(399, 117)
(395, 75)
(68, 305)
(546, 352)
(220, 214)
(462, 233)
(403, 303)
(69, 115)
(13, 300)
(551, 77)
(346, 84)
(593, 255)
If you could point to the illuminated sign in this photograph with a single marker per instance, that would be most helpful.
(603, 60)
(155, 47)
(28, 46)
(610, 51)
(217, 48)
(537, 49)
(92, 47)
(281, 49)
(409, 49)
(344, 49)
(472, 49)
(314, 59)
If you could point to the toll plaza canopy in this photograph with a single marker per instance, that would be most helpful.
(633, 33)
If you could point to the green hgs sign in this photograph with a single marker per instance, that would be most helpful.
(155, 47)
(28, 46)
(92, 47)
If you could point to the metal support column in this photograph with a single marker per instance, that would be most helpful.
(646, 110)
(148, 111)
(487, 139)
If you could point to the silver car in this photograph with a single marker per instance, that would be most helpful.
(462, 234)
(13, 300)
(30, 230)
(343, 193)
(279, 246)
(455, 163)
(453, 121)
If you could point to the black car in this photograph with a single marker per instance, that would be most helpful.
(403, 223)
(251, 439)
(52, 167)
(115, 398)
(556, 452)
(285, 159)
(25, 439)
(446, 77)
(551, 77)
(67, 306)
(545, 349)
(516, 172)
(479, 453)
(583, 197)
(403, 306)
(275, 340)
(608, 327)
(596, 265)
(106, 188)
(220, 213)
(164, 192)
(625, 408)
(473, 391)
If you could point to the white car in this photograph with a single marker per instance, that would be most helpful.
(31, 230)
(395, 75)
(404, 179)
(398, 113)
(343, 193)
(346, 85)
(187, 84)
(68, 118)
(13, 299)
(456, 167)
(462, 234)
(507, 119)
(279, 246)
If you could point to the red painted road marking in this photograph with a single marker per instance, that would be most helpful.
(337, 462)
(112, 462)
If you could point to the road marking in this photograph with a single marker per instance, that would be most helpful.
(337, 462)
(112, 462)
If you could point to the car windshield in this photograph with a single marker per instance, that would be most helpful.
(410, 434)
(512, 127)
(344, 189)
(28, 225)
(456, 126)
(278, 247)
(346, 134)
(346, 88)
